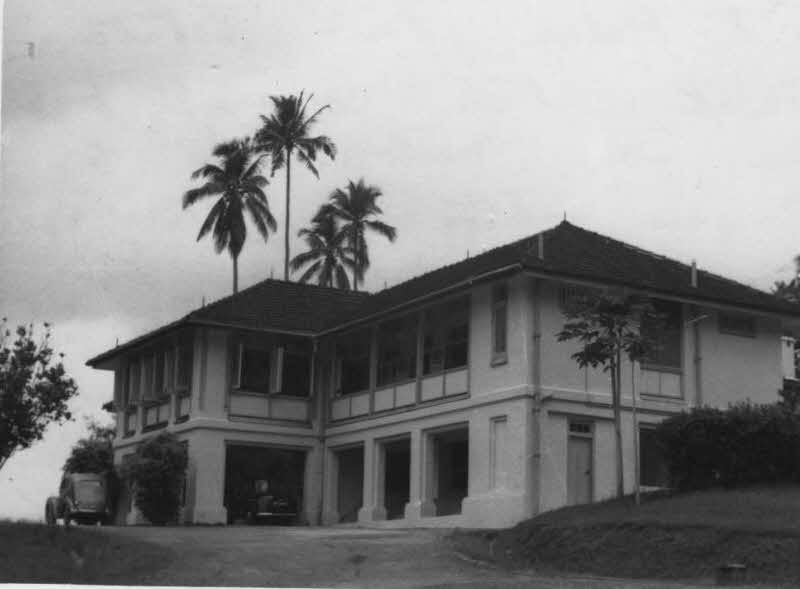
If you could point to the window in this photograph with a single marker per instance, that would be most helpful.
(147, 378)
(446, 337)
(397, 350)
(499, 323)
(184, 369)
(132, 390)
(159, 375)
(253, 369)
(296, 379)
(652, 466)
(666, 333)
(735, 324)
(352, 352)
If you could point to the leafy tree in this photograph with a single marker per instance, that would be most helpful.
(158, 472)
(608, 329)
(34, 388)
(358, 210)
(287, 132)
(94, 453)
(239, 186)
(789, 290)
(327, 255)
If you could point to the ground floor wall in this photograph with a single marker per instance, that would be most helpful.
(486, 464)
(204, 495)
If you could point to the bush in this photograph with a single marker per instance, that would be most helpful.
(157, 471)
(743, 444)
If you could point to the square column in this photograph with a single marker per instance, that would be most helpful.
(374, 474)
(330, 489)
(423, 468)
(206, 482)
(312, 487)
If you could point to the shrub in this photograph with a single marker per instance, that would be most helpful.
(157, 471)
(743, 444)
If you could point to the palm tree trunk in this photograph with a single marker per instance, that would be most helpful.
(286, 229)
(235, 274)
(357, 260)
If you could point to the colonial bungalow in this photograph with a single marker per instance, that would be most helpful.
(445, 400)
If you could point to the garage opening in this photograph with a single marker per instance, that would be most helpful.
(264, 485)
(350, 485)
(397, 481)
(451, 457)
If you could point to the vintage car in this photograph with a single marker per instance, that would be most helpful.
(84, 498)
(265, 507)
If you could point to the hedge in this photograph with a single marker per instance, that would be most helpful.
(741, 445)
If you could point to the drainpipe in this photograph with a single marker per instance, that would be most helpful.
(538, 411)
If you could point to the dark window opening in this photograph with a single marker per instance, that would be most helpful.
(253, 369)
(446, 336)
(652, 464)
(665, 333)
(352, 351)
(397, 350)
(499, 322)
(296, 380)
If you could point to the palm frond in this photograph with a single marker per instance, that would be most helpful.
(342, 280)
(211, 218)
(304, 158)
(304, 258)
(309, 273)
(207, 171)
(384, 229)
(209, 189)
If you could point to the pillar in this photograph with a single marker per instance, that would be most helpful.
(205, 494)
(423, 477)
(374, 465)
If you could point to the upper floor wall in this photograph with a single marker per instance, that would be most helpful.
(708, 357)
(494, 338)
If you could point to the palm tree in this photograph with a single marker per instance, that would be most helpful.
(356, 208)
(240, 187)
(327, 253)
(285, 132)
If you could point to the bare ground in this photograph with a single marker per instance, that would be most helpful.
(333, 557)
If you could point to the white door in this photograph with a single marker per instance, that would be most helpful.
(579, 470)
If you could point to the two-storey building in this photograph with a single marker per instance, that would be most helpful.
(444, 400)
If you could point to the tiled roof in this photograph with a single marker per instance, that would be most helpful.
(271, 305)
(281, 306)
(569, 252)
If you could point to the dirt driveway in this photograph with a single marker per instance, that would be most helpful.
(332, 557)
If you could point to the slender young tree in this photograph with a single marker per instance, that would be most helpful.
(608, 329)
(327, 256)
(286, 133)
(239, 187)
(357, 208)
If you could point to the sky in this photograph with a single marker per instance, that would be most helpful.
(671, 125)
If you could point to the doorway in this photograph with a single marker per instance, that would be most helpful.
(350, 483)
(397, 477)
(580, 446)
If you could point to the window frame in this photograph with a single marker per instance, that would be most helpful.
(344, 342)
(499, 306)
(443, 329)
(240, 386)
(657, 364)
(404, 340)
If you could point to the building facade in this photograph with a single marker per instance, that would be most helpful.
(446, 400)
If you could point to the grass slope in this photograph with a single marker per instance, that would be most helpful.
(36, 553)
(682, 537)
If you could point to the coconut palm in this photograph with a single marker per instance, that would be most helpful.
(327, 255)
(287, 132)
(239, 186)
(357, 209)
